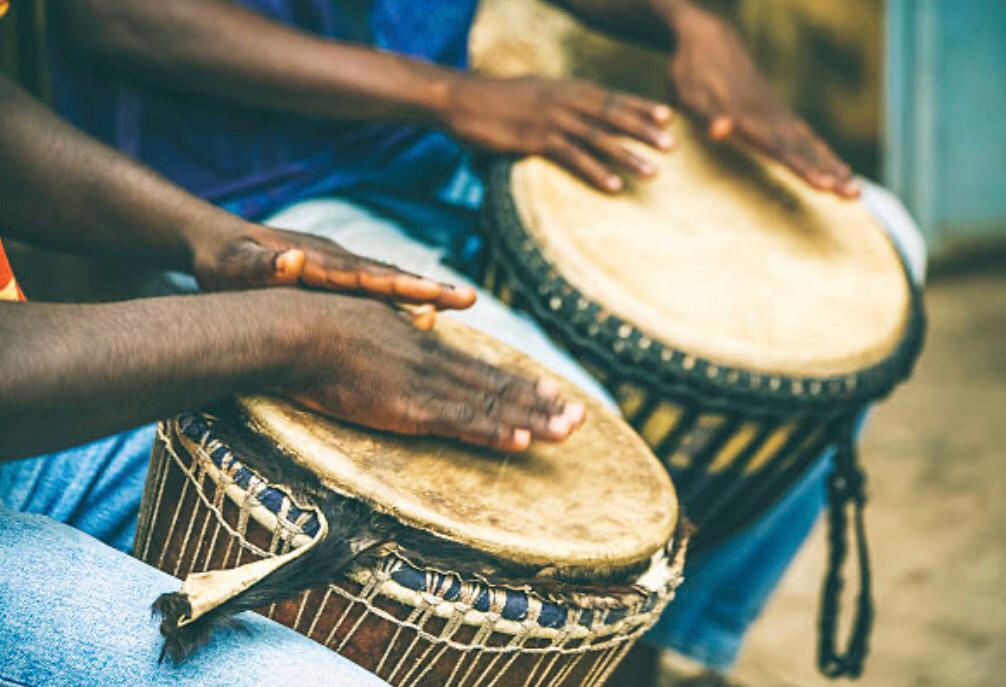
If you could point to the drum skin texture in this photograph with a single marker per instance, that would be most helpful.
(728, 257)
(740, 318)
(458, 596)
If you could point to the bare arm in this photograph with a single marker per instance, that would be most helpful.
(220, 51)
(71, 373)
(64, 190)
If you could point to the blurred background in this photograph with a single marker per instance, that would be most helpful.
(910, 92)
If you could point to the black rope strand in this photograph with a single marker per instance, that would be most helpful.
(846, 484)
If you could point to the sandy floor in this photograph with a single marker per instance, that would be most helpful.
(937, 517)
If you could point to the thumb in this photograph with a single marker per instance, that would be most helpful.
(288, 266)
(421, 317)
(721, 127)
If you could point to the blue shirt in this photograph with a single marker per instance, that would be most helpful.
(256, 163)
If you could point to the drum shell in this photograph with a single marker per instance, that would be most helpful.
(188, 524)
(732, 440)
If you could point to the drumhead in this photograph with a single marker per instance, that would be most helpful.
(726, 256)
(598, 501)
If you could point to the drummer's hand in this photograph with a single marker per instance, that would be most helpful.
(713, 77)
(254, 256)
(575, 124)
(369, 366)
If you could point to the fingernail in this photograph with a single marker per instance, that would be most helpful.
(423, 317)
(559, 425)
(575, 412)
(647, 169)
(548, 388)
(662, 113)
(721, 127)
(466, 293)
(665, 140)
(613, 183)
(521, 439)
(289, 263)
(827, 180)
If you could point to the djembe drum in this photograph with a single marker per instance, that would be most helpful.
(741, 319)
(423, 561)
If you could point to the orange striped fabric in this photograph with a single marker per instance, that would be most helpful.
(9, 290)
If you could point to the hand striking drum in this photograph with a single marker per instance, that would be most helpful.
(742, 320)
(423, 561)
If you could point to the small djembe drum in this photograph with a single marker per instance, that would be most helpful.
(423, 561)
(742, 320)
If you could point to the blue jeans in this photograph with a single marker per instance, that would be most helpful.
(75, 611)
(97, 489)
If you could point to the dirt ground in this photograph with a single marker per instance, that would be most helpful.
(936, 519)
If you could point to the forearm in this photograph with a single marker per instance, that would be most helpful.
(72, 373)
(222, 51)
(63, 190)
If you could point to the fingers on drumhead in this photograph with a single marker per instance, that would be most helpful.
(574, 156)
(422, 317)
(494, 410)
(463, 421)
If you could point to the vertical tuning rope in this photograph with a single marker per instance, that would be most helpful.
(846, 485)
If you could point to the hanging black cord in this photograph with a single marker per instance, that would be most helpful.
(846, 484)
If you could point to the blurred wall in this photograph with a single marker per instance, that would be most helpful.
(945, 145)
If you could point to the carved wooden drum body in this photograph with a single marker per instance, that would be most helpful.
(424, 562)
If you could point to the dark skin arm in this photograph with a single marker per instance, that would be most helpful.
(71, 193)
(71, 373)
(218, 50)
(712, 77)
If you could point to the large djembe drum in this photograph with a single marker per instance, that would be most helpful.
(742, 320)
(423, 561)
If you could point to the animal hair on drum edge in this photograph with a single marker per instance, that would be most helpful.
(355, 534)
